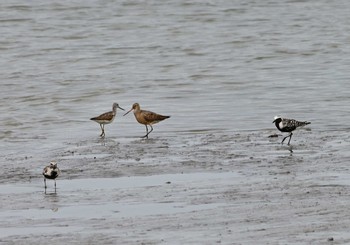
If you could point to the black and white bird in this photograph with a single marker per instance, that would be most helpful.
(288, 125)
(51, 172)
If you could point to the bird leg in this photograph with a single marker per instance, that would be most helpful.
(146, 136)
(55, 186)
(151, 129)
(103, 130)
(290, 136)
(45, 183)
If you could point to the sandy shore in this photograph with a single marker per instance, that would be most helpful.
(201, 188)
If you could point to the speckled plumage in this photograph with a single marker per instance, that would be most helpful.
(51, 172)
(288, 125)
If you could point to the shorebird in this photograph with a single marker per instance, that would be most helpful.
(146, 118)
(288, 125)
(51, 172)
(106, 118)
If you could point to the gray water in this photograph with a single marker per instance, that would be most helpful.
(221, 69)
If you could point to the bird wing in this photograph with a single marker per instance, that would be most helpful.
(151, 117)
(45, 170)
(291, 124)
(288, 124)
(105, 116)
(51, 173)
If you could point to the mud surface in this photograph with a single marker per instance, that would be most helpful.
(202, 188)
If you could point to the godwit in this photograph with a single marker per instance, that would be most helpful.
(51, 172)
(106, 118)
(146, 118)
(288, 125)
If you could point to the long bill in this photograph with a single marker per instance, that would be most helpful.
(128, 111)
(120, 108)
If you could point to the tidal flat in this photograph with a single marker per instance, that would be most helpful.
(199, 188)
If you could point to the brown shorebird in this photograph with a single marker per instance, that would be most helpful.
(51, 172)
(106, 118)
(146, 118)
(288, 125)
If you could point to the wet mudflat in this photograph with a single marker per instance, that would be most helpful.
(222, 70)
(202, 188)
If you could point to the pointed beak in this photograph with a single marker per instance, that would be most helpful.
(120, 108)
(274, 121)
(127, 112)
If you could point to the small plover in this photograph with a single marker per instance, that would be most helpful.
(146, 117)
(106, 118)
(51, 172)
(288, 125)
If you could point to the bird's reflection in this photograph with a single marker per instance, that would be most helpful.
(52, 200)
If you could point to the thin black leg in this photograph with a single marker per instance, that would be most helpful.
(146, 136)
(291, 134)
(55, 186)
(45, 183)
(151, 129)
(286, 138)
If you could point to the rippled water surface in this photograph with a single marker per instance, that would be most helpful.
(221, 69)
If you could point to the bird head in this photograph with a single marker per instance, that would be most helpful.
(53, 164)
(277, 119)
(135, 106)
(116, 105)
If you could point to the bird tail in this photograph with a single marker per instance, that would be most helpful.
(300, 124)
(161, 117)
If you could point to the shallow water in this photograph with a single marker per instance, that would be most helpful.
(222, 70)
